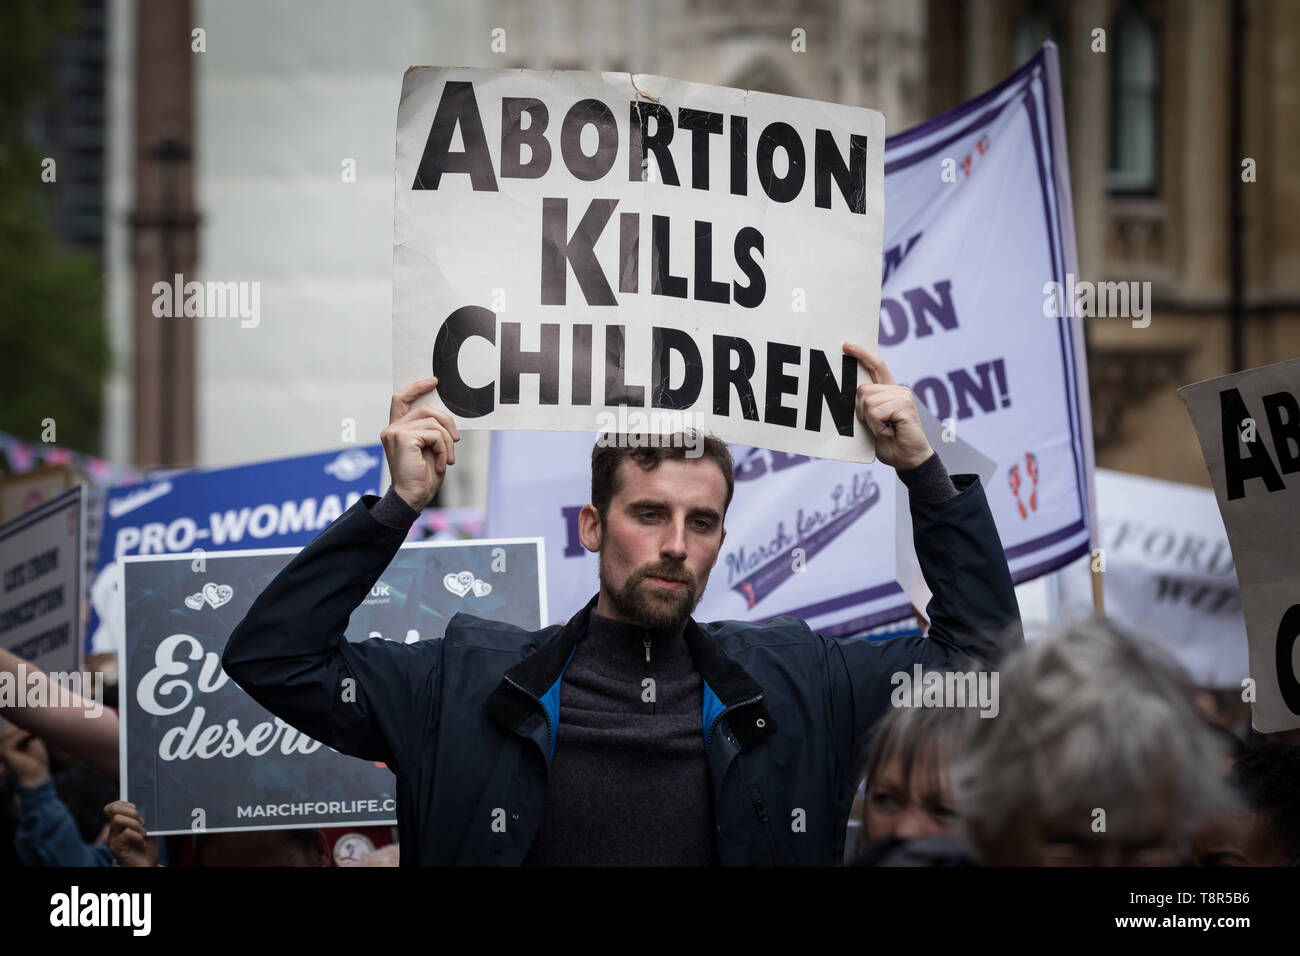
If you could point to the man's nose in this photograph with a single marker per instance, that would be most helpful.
(674, 541)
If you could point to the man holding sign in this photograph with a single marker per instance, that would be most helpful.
(572, 249)
(631, 735)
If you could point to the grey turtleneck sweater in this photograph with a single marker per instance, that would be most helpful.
(629, 784)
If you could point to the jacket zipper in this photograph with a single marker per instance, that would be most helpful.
(550, 731)
(708, 741)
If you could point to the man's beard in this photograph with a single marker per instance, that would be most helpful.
(649, 605)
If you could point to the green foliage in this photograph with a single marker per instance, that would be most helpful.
(54, 353)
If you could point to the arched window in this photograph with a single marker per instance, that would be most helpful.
(1033, 26)
(1036, 24)
(1134, 102)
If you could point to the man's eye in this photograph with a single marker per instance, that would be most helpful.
(704, 524)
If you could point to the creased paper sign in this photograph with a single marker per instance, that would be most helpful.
(1249, 427)
(631, 253)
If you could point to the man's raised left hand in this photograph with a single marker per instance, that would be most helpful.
(889, 410)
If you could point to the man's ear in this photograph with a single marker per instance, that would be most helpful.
(590, 530)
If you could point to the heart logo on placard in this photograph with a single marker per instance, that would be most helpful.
(217, 594)
(463, 583)
(194, 601)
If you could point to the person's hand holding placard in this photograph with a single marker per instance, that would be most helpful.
(419, 442)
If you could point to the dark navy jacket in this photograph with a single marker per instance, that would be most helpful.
(468, 723)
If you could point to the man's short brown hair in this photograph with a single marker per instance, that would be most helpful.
(610, 450)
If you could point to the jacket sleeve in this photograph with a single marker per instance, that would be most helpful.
(47, 835)
(974, 616)
(371, 699)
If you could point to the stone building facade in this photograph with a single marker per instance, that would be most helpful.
(1154, 171)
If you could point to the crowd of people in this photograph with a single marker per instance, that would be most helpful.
(1086, 748)
(1101, 753)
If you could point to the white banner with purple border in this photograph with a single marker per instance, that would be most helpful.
(978, 221)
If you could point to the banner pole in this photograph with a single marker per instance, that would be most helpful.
(1071, 256)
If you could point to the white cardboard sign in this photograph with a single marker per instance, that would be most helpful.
(1249, 427)
(615, 252)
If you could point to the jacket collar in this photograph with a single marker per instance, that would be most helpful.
(536, 680)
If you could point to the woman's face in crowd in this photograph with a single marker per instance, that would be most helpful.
(905, 809)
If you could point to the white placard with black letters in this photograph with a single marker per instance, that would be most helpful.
(605, 251)
(1249, 427)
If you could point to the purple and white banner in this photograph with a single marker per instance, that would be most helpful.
(978, 222)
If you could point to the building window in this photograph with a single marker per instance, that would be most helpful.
(1033, 27)
(1036, 25)
(1134, 102)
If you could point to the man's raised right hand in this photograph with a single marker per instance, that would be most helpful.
(419, 442)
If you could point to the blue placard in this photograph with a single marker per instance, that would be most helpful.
(273, 504)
